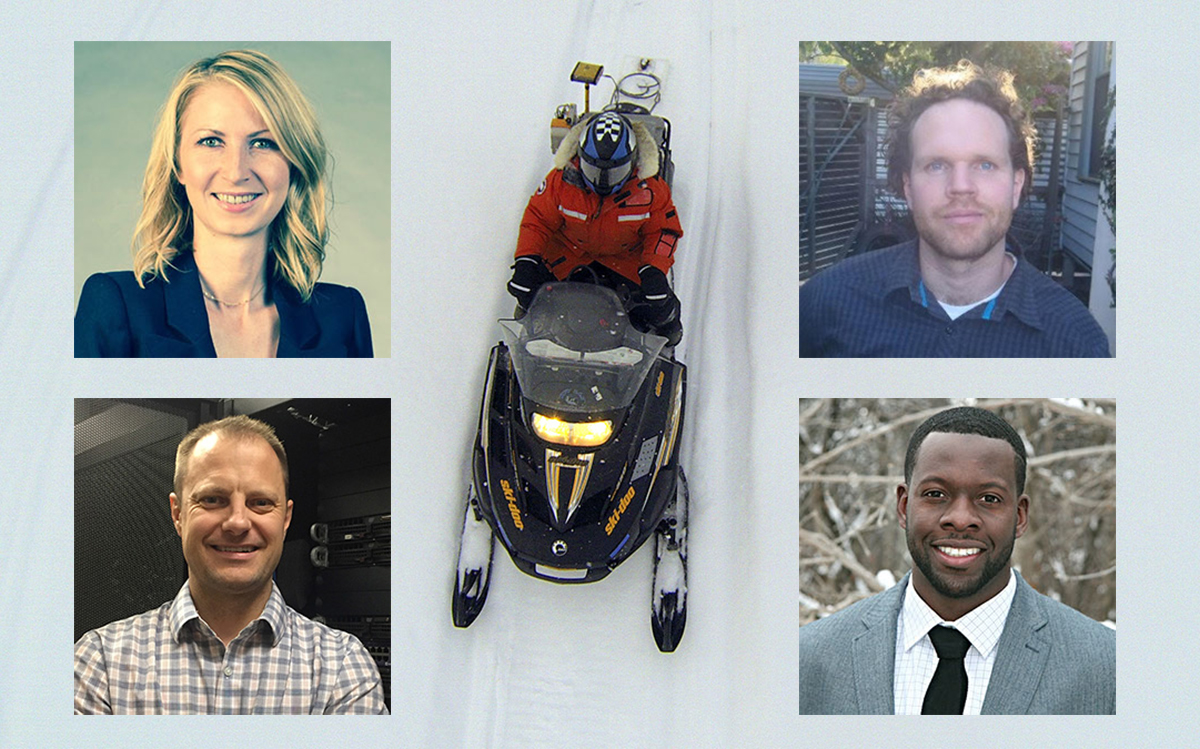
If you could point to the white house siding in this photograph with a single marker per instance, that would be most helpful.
(1101, 301)
(1081, 199)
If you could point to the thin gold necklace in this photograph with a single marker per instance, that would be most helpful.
(245, 301)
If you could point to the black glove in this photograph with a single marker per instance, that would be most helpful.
(529, 273)
(661, 302)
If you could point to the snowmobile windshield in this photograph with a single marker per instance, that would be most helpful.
(575, 351)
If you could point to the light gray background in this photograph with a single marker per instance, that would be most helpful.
(1157, 662)
(119, 89)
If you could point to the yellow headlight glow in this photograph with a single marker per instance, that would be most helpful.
(572, 433)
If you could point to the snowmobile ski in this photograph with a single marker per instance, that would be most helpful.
(474, 563)
(668, 612)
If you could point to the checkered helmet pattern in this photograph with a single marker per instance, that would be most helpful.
(607, 149)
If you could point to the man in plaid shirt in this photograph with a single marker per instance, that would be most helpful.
(227, 643)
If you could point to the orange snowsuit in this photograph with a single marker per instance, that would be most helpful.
(568, 225)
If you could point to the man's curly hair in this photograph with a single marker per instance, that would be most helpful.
(989, 86)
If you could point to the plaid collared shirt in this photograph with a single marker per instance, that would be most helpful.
(168, 661)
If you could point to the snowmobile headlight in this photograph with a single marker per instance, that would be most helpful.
(573, 433)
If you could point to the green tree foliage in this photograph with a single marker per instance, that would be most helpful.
(1108, 191)
(1041, 69)
(1108, 168)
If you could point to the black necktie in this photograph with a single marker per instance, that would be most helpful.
(947, 693)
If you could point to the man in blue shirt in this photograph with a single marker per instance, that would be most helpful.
(959, 151)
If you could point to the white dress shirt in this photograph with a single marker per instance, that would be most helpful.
(916, 659)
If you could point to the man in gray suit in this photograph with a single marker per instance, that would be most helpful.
(962, 506)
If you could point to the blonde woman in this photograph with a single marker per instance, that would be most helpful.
(231, 239)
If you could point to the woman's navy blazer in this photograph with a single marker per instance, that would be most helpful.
(167, 318)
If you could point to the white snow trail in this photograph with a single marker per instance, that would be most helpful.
(545, 661)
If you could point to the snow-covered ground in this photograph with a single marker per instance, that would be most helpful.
(545, 662)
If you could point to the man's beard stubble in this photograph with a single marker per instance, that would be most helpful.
(965, 588)
(944, 242)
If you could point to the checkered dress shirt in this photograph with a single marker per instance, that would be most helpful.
(877, 305)
(916, 660)
(168, 661)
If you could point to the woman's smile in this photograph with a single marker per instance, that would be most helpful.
(230, 165)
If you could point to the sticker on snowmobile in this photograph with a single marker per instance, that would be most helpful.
(560, 573)
(512, 504)
(572, 397)
(541, 188)
(616, 516)
(645, 458)
(658, 385)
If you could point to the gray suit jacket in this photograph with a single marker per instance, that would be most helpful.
(1051, 659)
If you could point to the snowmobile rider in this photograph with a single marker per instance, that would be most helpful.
(604, 214)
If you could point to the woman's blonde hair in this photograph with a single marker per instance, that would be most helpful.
(298, 234)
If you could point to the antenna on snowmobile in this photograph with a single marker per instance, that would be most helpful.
(587, 73)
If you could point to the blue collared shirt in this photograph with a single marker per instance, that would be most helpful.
(877, 305)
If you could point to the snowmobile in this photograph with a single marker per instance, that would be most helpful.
(576, 460)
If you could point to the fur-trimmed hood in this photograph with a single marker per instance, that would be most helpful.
(647, 149)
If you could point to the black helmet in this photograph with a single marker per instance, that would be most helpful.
(607, 151)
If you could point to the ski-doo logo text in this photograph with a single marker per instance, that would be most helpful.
(621, 508)
(512, 504)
